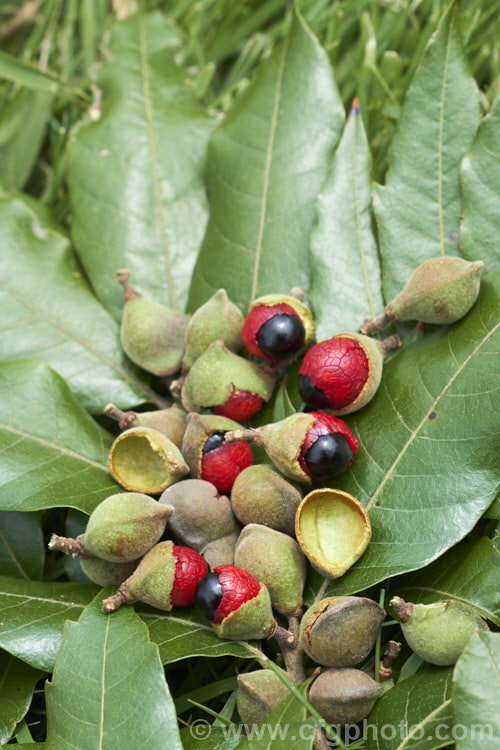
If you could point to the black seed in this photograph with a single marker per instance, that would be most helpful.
(329, 455)
(281, 336)
(213, 442)
(432, 415)
(311, 395)
(209, 594)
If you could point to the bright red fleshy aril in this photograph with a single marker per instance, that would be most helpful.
(339, 367)
(238, 586)
(189, 568)
(222, 465)
(240, 406)
(254, 321)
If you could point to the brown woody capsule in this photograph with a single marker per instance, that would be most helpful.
(203, 520)
(344, 696)
(340, 631)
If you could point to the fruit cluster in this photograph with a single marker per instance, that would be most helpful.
(245, 579)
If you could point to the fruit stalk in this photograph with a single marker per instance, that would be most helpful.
(124, 419)
(69, 546)
(372, 325)
(390, 655)
(234, 436)
(390, 343)
(289, 643)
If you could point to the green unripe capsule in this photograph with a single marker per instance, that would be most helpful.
(152, 335)
(261, 495)
(437, 632)
(121, 529)
(217, 319)
(440, 291)
(276, 560)
(106, 573)
(257, 694)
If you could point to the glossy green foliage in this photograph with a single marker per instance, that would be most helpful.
(266, 163)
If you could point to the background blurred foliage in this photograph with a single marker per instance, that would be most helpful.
(49, 47)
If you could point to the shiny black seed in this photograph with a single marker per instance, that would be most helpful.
(310, 393)
(329, 455)
(213, 442)
(281, 336)
(209, 594)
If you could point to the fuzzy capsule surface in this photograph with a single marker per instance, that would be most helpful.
(437, 632)
(203, 519)
(218, 319)
(340, 631)
(244, 612)
(261, 495)
(344, 696)
(218, 376)
(152, 335)
(276, 560)
(257, 694)
(125, 526)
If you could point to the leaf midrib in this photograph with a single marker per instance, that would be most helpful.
(14, 558)
(440, 145)
(267, 167)
(81, 342)
(154, 161)
(357, 213)
(49, 444)
(436, 401)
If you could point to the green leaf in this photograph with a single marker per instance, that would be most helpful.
(470, 572)
(476, 693)
(22, 551)
(49, 312)
(416, 713)
(265, 166)
(20, 71)
(135, 175)
(33, 615)
(108, 689)
(427, 465)
(216, 738)
(180, 636)
(480, 172)
(346, 282)
(17, 681)
(419, 208)
(22, 127)
(494, 509)
(204, 693)
(53, 453)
